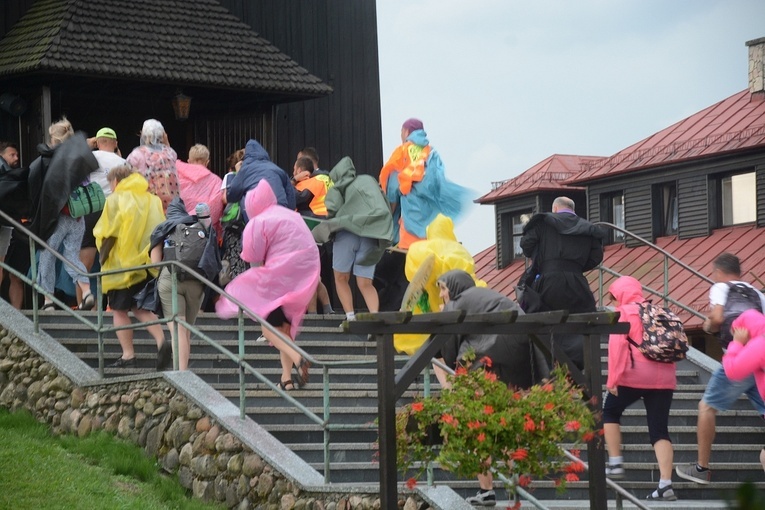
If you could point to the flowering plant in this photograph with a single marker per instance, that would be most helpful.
(484, 424)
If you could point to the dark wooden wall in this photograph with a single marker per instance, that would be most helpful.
(335, 40)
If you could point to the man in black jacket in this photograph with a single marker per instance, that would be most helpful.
(563, 246)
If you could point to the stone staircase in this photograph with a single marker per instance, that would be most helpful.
(353, 396)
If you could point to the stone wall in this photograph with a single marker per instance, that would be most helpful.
(209, 460)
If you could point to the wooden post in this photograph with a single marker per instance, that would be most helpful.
(596, 457)
(387, 420)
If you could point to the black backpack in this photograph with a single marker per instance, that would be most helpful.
(186, 244)
(741, 297)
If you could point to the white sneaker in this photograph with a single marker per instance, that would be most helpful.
(261, 338)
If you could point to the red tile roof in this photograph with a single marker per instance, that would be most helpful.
(733, 124)
(647, 265)
(547, 175)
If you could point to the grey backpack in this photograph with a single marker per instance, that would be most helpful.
(186, 244)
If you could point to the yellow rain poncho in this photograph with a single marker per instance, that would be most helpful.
(448, 254)
(130, 215)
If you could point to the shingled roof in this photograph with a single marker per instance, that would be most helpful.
(734, 124)
(184, 42)
(547, 175)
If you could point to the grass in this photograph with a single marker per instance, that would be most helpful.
(42, 471)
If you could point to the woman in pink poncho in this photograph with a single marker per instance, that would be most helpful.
(746, 353)
(280, 288)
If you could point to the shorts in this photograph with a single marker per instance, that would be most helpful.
(657, 403)
(276, 318)
(347, 249)
(123, 299)
(722, 392)
(88, 241)
(190, 295)
(18, 253)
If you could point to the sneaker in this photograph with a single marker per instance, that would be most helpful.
(663, 494)
(123, 363)
(483, 498)
(693, 474)
(261, 338)
(615, 472)
(165, 357)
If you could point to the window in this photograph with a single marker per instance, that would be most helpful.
(665, 196)
(512, 224)
(738, 194)
(612, 211)
(519, 221)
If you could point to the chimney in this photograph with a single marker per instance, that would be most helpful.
(757, 69)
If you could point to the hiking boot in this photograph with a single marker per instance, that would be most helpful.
(123, 363)
(615, 472)
(165, 357)
(483, 498)
(663, 494)
(692, 473)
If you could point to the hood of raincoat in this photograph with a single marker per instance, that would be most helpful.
(457, 281)
(442, 227)
(259, 199)
(418, 137)
(253, 151)
(627, 289)
(753, 321)
(343, 174)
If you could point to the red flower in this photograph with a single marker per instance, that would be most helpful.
(486, 361)
(572, 477)
(417, 407)
(502, 421)
(488, 410)
(519, 454)
(572, 426)
(460, 371)
(475, 424)
(549, 406)
(576, 453)
(529, 425)
(411, 483)
(588, 436)
(524, 480)
(574, 467)
(547, 387)
(516, 506)
(449, 419)
(490, 376)
(517, 395)
(481, 437)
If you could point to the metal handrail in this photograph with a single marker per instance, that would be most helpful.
(175, 266)
(667, 257)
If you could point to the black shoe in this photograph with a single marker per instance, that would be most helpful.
(165, 357)
(483, 498)
(123, 363)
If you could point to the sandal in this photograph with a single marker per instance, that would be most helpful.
(286, 385)
(302, 372)
(48, 306)
(88, 302)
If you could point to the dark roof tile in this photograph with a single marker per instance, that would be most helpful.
(194, 42)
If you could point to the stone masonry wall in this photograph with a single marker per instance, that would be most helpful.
(209, 461)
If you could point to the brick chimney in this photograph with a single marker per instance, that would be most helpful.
(757, 68)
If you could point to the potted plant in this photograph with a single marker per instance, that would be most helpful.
(484, 424)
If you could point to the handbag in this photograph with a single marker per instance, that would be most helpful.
(148, 297)
(86, 199)
(526, 293)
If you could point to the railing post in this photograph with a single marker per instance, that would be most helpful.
(174, 304)
(35, 296)
(100, 324)
(325, 392)
(242, 394)
(387, 420)
(666, 280)
(426, 393)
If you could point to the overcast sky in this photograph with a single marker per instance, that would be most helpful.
(502, 84)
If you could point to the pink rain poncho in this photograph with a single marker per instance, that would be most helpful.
(198, 184)
(740, 361)
(280, 240)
